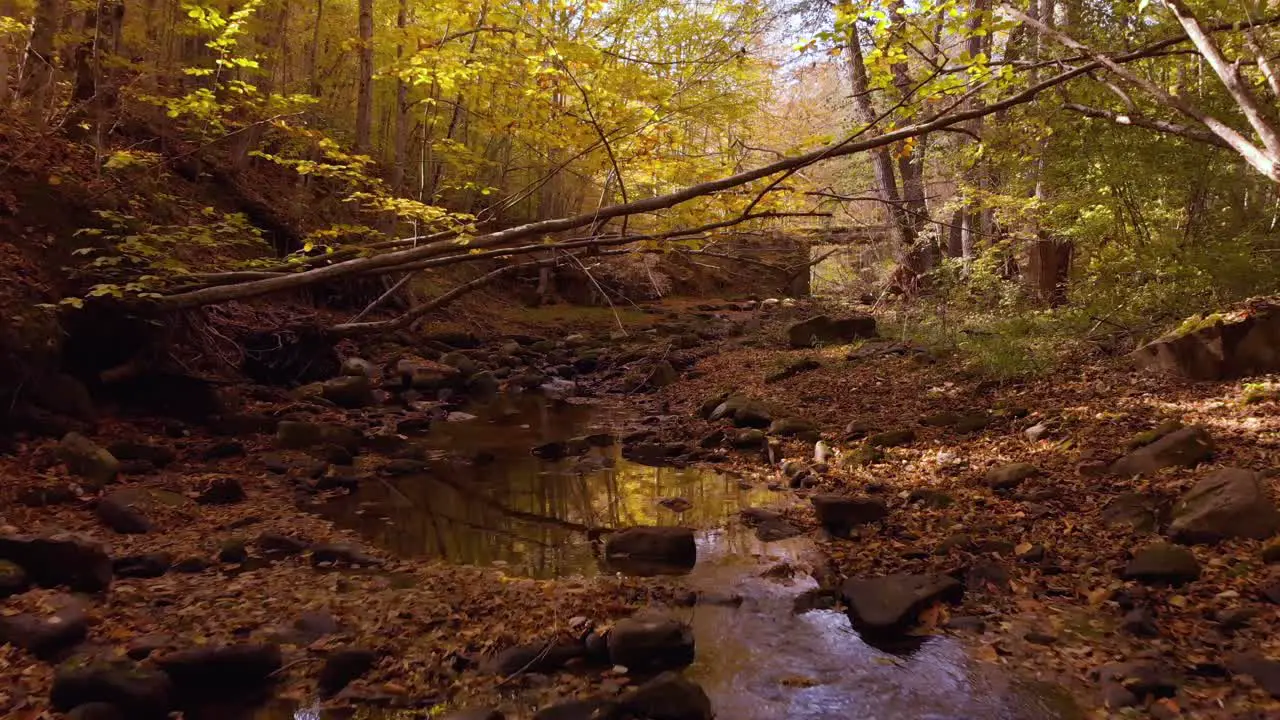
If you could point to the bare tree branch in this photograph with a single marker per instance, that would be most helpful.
(1164, 126)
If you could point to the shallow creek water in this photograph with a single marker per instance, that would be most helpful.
(758, 661)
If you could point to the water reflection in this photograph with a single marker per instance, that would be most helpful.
(515, 510)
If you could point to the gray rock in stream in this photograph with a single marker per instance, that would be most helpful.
(668, 546)
(650, 644)
(892, 604)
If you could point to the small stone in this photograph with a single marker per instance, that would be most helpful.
(87, 459)
(891, 604)
(1007, 477)
(345, 553)
(892, 438)
(839, 514)
(1037, 637)
(147, 565)
(222, 491)
(1264, 671)
(272, 543)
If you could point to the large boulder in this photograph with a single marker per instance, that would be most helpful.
(220, 670)
(1182, 448)
(137, 691)
(840, 514)
(651, 644)
(672, 547)
(892, 604)
(60, 560)
(1162, 564)
(825, 330)
(85, 458)
(1235, 344)
(1230, 503)
(65, 625)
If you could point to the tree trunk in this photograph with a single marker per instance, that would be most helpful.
(402, 129)
(881, 159)
(1050, 268)
(313, 77)
(37, 66)
(8, 8)
(364, 103)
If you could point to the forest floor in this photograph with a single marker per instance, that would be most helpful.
(1041, 560)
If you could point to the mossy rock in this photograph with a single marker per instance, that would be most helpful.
(1145, 438)
(862, 456)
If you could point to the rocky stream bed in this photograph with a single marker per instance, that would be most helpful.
(724, 512)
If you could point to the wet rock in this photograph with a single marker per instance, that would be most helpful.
(135, 690)
(13, 579)
(343, 666)
(1183, 448)
(1264, 671)
(220, 670)
(793, 369)
(775, 530)
(891, 438)
(272, 543)
(342, 553)
(141, 510)
(483, 384)
(668, 696)
(839, 514)
(146, 565)
(891, 604)
(134, 450)
(1007, 477)
(672, 546)
(554, 450)
(47, 634)
(824, 330)
(814, 599)
(87, 459)
(1140, 622)
(795, 427)
(1138, 511)
(1127, 684)
(1230, 503)
(79, 563)
(222, 491)
(1162, 563)
(534, 658)
(651, 644)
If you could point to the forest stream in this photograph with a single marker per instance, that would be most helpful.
(756, 657)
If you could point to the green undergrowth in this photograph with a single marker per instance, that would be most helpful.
(574, 318)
